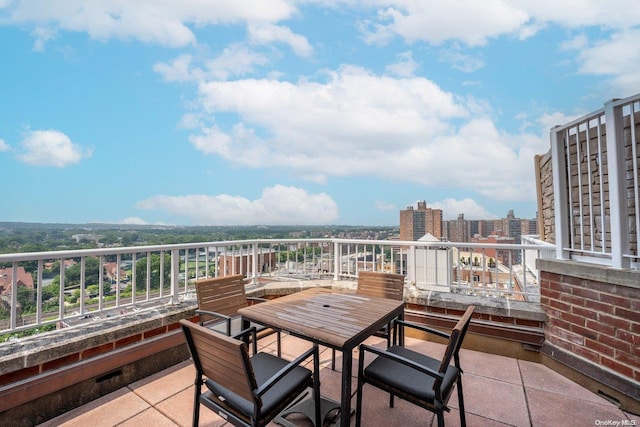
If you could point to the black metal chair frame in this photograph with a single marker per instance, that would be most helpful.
(248, 380)
(398, 359)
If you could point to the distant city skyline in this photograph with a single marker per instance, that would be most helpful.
(229, 113)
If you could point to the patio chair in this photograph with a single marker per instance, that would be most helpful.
(413, 376)
(244, 390)
(220, 298)
(383, 285)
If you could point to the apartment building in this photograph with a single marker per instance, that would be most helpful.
(415, 223)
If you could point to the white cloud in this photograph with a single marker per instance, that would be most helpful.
(617, 57)
(4, 146)
(148, 21)
(277, 205)
(360, 124)
(405, 66)
(451, 208)
(265, 33)
(468, 21)
(50, 148)
(132, 220)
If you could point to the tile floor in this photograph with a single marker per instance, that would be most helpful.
(498, 391)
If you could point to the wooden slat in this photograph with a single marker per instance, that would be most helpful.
(383, 285)
(224, 295)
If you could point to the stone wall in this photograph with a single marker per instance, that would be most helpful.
(544, 184)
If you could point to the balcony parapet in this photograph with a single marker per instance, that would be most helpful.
(77, 362)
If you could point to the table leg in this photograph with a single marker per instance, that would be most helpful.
(345, 396)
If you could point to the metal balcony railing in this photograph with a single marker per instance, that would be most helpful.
(596, 185)
(63, 288)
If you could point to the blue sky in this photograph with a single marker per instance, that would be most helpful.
(295, 112)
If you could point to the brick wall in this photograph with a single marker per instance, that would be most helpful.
(597, 320)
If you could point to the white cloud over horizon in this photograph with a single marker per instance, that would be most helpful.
(277, 205)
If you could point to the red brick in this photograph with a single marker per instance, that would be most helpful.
(572, 299)
(625, 370)
(562, 288)
(174, 326)
(628, 359)
(600, 286)
(567, 335)
(565, 345)
(615, 343)
(572, 318)
(631, 338)
(587, 293)
(19, 375)
(571, 280)
(587, 313)
(616, 300)
(560, 324)
(154, 332)
(587, 354)
(551, 294)
(563, 306)
(94, 351)
(502, 319)
(587, 333)
(66, 360)
(526, 322)
(634, 316)
(128, 340)
(599, 306)
(598, 347)
(616, 322)
(600, 327)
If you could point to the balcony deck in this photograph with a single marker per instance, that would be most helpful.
(499, 391)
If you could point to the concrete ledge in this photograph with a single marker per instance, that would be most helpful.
(595, 272)
(40, 349)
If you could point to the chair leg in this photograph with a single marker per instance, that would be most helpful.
(278, 344)
(440, 415)
(333, 359)
(196, 405)
(316, 389)
(463, 421)
(359, 392)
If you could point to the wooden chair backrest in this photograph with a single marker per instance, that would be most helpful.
(456, 338)
(221, 359)
(225, 295)
(377, 284)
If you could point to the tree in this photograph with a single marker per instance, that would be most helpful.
(141, 272)
(27, 299)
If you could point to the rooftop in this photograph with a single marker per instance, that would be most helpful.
(498, 390)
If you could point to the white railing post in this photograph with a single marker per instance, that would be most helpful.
(336, 260)
(254, 263)
(14, 296)
(617, 185)
(175, 279)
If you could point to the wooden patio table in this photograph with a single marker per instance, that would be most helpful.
(337, 320)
